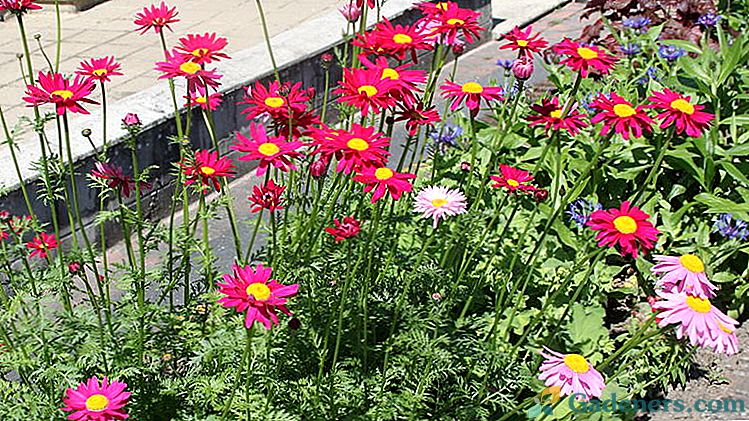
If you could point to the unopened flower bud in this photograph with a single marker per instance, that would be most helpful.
(351, 12)
(327, 59)
(295, 323)
(37, 36)
(465, 166)
(319, 168)
(459, 48)
(522, 68)
(74, 268)
(541, 195)
(86, 132)
(131, 119)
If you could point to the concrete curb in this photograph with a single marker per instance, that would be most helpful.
(532, 10)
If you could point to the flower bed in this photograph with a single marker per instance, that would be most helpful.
(458, 258)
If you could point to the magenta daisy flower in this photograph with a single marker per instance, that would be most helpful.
(267, 197)
(627, 226)
(206, 168)
(277, 99)
(366, 90)
(42, 244)
(513, 179)
(524, 41)
(549, 114)
(584, 58)
(471, 93)
(199, 98)
(252, 291)
(348, 228)
(572, 373)
(697, 319)
(18, 6)
(178, 65)
(357, 148)
(202, 49)
(99, 69)
(618, 114)
(438, 202)
(677, 110)
(384, 180)
(95, 401)
(269, 151)
(65, 94)
(115, 178)
(683, 273)
(156, 17)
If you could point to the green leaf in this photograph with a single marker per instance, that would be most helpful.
(688, 46)
(734, 172)
(720, 205)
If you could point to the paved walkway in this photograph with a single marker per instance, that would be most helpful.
(108, 29)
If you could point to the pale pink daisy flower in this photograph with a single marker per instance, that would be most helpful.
(572, 373)
(697, 319)
(683, 273)
(438, 202)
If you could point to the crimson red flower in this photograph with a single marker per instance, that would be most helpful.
(627, 226)
(269, 151)
(178, 65)
(618, 114)
(348, 228)
(523, 41)
(549, 114)
(357, 148)
(417, 116)
(275, 100)
(18, 6)
(207, 168)
(384, 180)
(584, 58)
(115, 178)
(65, 94)
(202, 49)
(678, 111)
(366, 89)
(470, 92)
(513, 179)
(99, 68)
(42, 244)
(454, 20)
(156, 17)
(200, 99)
(267, 197)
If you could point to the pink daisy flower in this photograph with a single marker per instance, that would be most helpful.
(156, 17)
(65, 94)
(384, 180)
(42, 244)
(438, 202)
(199, 98)
(618, 114)
(513, 179)
(697, 319)
(366, 89)
(94, 401)
(572, 373)
(471, 93)
(99, 69)
(267, 196)
(202, 49)
(269, 151)
(549, 114)
(524, 41)
(583, 59)
(683, 274)
(357, 148)
(627, 226)
(177, 65)
(276, 99)
(18, 6)
(253, 291)
(678, 110)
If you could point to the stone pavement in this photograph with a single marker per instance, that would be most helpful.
(108, 29)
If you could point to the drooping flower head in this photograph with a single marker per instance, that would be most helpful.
(348, 228)
(201, 99)
(97, 401)
(252, 291)
(66, 94)
(438, 202)
(366, 89)
(202, 49)
(115, 178)
(572, 373)
(99, 69)
(697, 319)
(583, 59)
(267, 196)
(383, 180)
(678, 111)
(180, 65)
(472, 93)
(549, 114)
(732, 228)
(513, 179)
(277, 99)
(42, 244)
(18, 7)
(156, 17)
(580, 210)
(269, 151)
(206, 169)
(685, 273)
(618, 114)
(417, 116)
(350, 11)
(628, 227)
(357, 148)
(524, 41)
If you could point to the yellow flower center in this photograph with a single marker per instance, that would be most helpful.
(207, 170)
(586, 53)
(367, 90)
(383, 173)
(724, 328)
(624, 110)
(268, 149)
(522, 42)
(358, 144)
(97, 403)
(683, 105)
(513, 182)
(438, 203)
(100, 72)
(199, 52)
(700, 305)
(576, 363)
(402, 39)
(274, 101)
(201, 100)
(189, 67)
(472, 88)
(258, 291)
(692, 263)
(556, 114)
(391, 74)
(625, 224)
(441, 5)
(62, 93)
(455, 22)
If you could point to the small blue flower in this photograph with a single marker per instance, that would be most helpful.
(631, 49)
(579, 211)
(639, 23)
(730, 227)
(505, 64)
(446, 137)
(671, 52)
(709, 19)
(650, 74)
